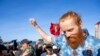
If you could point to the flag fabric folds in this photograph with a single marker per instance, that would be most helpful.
(55, 29)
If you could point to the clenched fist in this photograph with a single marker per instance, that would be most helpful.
(33, 21)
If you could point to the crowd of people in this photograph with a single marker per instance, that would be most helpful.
(73, 41)
(26, 48)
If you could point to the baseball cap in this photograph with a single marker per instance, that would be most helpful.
(25, 41)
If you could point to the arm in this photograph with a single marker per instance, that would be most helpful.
(41, 32)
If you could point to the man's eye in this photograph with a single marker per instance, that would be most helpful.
(64, 32)
(70, 30)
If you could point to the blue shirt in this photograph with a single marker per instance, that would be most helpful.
(91, 46)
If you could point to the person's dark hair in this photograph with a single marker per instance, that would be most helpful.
(48, 46)
(86, 32)
(25, 41)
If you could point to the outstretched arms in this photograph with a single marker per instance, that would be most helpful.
(43, 34)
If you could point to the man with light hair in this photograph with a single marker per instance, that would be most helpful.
(73, 41)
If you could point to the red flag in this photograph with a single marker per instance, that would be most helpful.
(55, 29)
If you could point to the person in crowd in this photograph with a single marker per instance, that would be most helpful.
(48, 50)
(73, 41)
(13, 48)
(25, 49)
(38, 48)
(3, 49)
(56, 50)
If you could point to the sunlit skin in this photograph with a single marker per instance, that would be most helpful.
(73, 32)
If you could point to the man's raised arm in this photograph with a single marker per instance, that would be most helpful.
(43, 34)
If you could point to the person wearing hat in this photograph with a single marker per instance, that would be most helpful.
(26, 48)
(56, 50)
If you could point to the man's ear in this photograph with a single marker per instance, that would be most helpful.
(81, 24)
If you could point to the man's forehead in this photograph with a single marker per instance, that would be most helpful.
(68, 22)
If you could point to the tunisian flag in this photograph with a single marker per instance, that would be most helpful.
(55, 29)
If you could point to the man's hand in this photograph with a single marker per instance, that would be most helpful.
(33, 21)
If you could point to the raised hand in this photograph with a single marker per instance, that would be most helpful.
(43, 34)
(33, 21)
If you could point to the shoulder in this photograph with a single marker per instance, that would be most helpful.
(59, 40)
(92, 39)
(93, 44)
(43, 54)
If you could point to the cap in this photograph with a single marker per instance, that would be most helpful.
(25, 41)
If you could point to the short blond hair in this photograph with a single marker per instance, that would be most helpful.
(72, 15)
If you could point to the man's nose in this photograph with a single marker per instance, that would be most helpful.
(68, 34)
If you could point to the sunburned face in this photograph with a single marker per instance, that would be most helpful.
(73, 32)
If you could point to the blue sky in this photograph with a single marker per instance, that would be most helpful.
(15, 14)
